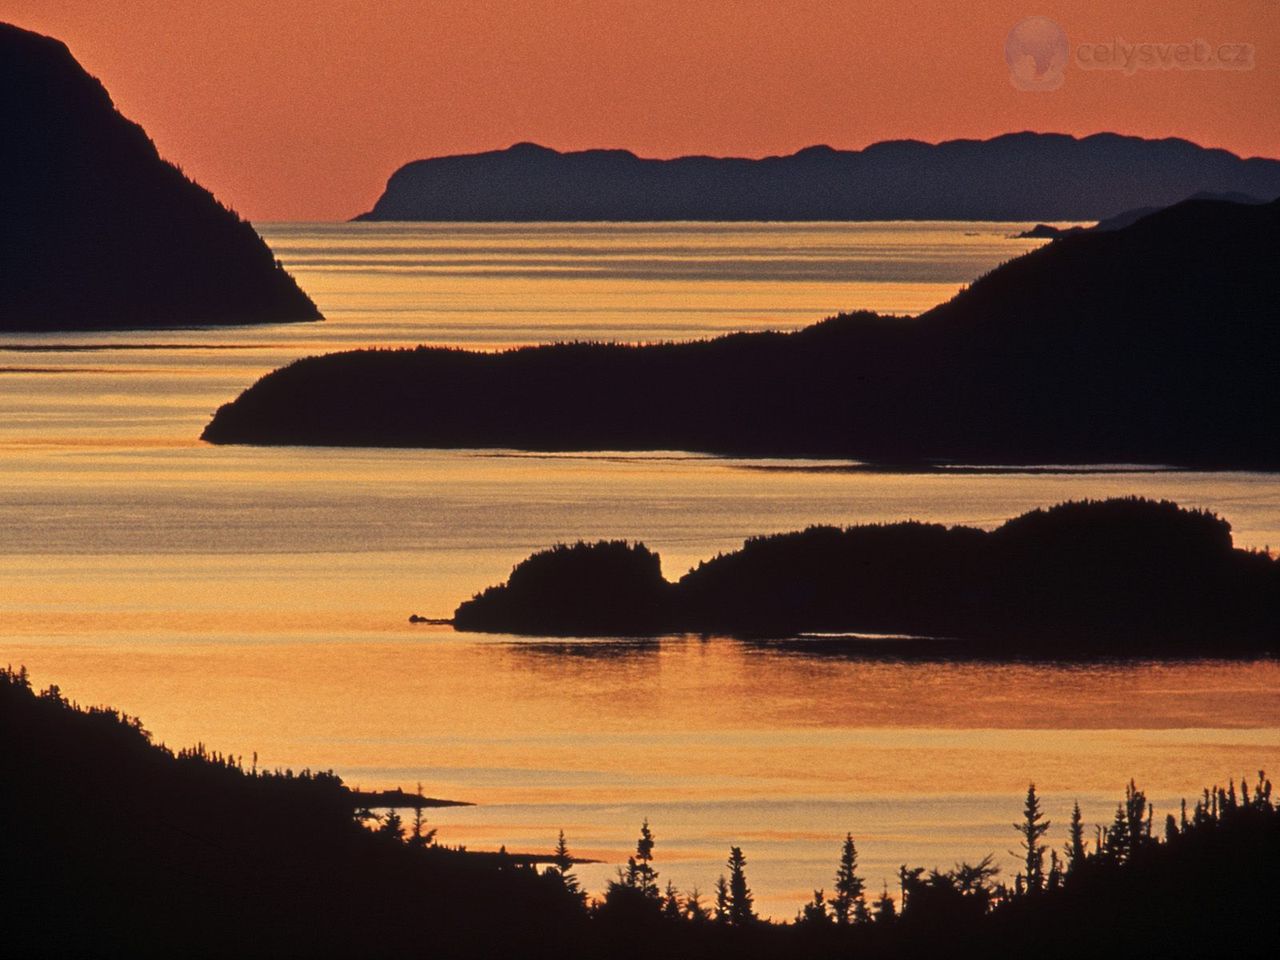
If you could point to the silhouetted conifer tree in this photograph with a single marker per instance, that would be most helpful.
(640, 874)
(1075, 849)
(1033, 828)
(671, 907)
(1055, 871)
(722, 900)
(815, 912)
(420, 835)
(908, 879)
(741, 903)
(694, 908)
(392, 826)
(1130, 829)
(564, 865)
(848, 904)
(1262, 792)
(883, 909)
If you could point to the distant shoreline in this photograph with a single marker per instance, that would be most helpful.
(1023, 176)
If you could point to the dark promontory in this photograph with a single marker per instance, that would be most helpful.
(99, 231)
(1155, 343)
(1116, 576)
(1018, 176)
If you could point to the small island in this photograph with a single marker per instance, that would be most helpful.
(1150, 344)
(1122, 576)
(100, 232)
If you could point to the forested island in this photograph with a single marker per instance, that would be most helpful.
(1012, 177)
(117, 846)
(1121, 576)
(1148, 344)
(99, 231)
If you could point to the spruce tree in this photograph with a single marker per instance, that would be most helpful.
(694, 908)
(884, 909)
(1075, 850)
(392, 825)
(814, 912)
(722, 900)
(671, 908)
(848, 904)
(1116, 838)
(564, 864)
(741, 903)
(421, 837)
(640, 874)
(1033, 828)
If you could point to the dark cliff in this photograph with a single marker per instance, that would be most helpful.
(99, 231)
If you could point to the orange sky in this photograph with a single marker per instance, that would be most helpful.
(300, 109)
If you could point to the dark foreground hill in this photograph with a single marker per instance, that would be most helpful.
(1017, 176)
(1150, 344)
(1127, 576)
(114, 847)
(99, 231)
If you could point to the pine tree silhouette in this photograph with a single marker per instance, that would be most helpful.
(1033, 828)
(848, 905)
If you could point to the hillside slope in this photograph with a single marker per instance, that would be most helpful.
(99, 231)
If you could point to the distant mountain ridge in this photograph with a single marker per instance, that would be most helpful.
(1013, 177)
(99, 232)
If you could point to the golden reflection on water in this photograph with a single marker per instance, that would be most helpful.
(762, 716)
(256, 599)
(715, 740)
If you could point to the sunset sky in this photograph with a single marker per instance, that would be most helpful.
(291, 109)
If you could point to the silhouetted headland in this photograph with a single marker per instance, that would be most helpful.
(400, 800)
(1124, 576)
(115, 846)
(1016, 176)
(1046, 231)
(99, 231)
(1149, 344)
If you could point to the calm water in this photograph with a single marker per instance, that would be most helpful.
(256, 599)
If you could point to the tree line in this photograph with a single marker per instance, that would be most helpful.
(116, 845)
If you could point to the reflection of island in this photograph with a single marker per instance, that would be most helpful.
(99, 231)
(1149, 344)
(1123, 576)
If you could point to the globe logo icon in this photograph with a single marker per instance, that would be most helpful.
(1037, 53)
